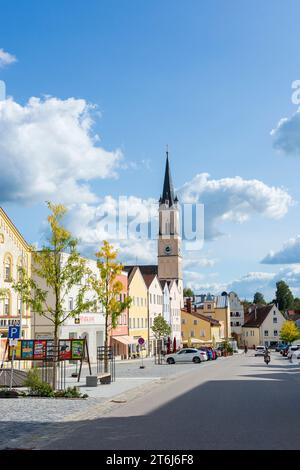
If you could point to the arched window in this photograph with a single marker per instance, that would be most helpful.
(8, 267)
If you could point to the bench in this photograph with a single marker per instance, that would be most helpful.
(92, 380)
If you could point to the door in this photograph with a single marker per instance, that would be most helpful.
(181, 356)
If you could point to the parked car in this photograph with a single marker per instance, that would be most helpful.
(203, 354)
(280, 347)
(185, 355)
(295, 357)
(294, 347)
(260, 351)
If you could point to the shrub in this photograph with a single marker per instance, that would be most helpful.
(70, 392)
(36, 386)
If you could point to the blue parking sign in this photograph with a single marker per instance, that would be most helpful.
(14, 332)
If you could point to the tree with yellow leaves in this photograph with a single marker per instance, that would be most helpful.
(107, 290)
(289, 332)
(57, 275)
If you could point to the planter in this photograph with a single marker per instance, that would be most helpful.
(9, 394)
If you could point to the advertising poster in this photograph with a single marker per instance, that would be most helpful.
(27, 349)
(64, 350)
(18, 350)
(39, 349)
(77, 348)
(50, 345)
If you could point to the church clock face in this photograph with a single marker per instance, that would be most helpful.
(168, 250)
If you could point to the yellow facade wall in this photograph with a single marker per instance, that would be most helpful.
(194, 327)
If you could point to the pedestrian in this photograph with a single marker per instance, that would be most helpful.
(246, 349)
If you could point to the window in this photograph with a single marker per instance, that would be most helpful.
(151, 322)
(150, 298)
(195, 322)
(275, 320)
(202, 333)
(266, 333)
(246, 333)
(8, 268)
(275, 333)
(133, 322)
(71, 303)
(183, 321)
(274, 312)
(7, 306)
(192, 334)
(138, 323)
(231, 323)
(154, 298)
(209, 307)
(237, 323)
(138, 301)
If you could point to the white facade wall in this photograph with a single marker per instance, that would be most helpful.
(91, 326)
(175, 312)
(155, 303)
(236, 313)
(270, 328)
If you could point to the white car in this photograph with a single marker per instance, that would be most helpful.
(295, 359)
(203, 355)
(292, 349)
(260, 351)
(184, 355)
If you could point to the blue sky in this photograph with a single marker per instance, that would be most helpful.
(210, 78)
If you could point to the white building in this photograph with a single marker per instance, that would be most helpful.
(155, 304)
(14, 253)
(175, 312)
(236, 316)
(91, 323)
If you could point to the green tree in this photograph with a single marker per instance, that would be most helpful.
(258, 298)
(289, 332)
(53, 277)
(108, 290)
(161, 327)
(187, 292)
(284, 297)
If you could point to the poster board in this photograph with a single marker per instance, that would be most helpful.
(42, 349)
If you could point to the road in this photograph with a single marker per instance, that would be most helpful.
(233, 403)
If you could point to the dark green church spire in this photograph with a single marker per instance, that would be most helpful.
(168, 189)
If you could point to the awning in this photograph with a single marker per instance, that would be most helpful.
(197, 341)
(125, 339)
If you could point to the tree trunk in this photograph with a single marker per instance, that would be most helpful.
(55, 358)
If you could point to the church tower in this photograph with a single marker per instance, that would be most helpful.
(169, 241)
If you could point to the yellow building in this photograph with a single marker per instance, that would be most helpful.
(198, 329)
(218, 308)
(14, 253)
(138, 311)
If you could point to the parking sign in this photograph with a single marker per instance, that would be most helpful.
(14, 332)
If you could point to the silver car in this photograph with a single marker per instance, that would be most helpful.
(260, 351)
(184, 355)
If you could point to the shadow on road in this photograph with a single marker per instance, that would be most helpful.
(219, 414)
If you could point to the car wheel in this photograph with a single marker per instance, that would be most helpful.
(196, 360)
(170, 360)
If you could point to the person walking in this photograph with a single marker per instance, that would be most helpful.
(246, 349)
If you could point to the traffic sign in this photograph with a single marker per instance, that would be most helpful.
(13, 342)
(141, 341)
(14, 331)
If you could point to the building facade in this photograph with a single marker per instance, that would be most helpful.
(89, 325)
(236, 317)
(138, 311)
(14, 253)
(262, 326)
(198, 329)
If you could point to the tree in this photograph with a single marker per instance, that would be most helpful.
(54, 275)
(284, 297)
(289, 332)
(108, 290)
(258, 298)
(187, 292)
(161, 327)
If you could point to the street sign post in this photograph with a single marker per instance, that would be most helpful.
(13, 336)
(141, 342)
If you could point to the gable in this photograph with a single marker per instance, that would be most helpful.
(8, 230)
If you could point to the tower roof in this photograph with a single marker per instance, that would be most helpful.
(168, 189)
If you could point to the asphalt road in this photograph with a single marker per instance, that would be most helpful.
(233, 403)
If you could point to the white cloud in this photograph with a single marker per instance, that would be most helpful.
(196, 261)
(286, 135)
(234, 199)
(288, 254)
(48, 150)
(6, 58)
